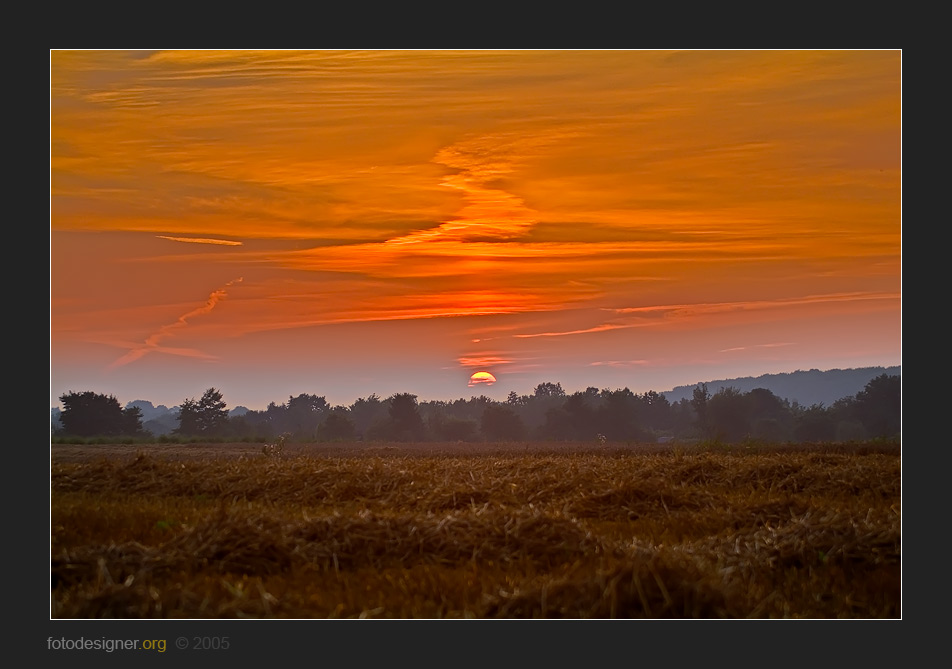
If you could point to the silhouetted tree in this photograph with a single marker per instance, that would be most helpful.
(189, 423)
(684, 422)
(879, 406)
(516, 400)
(548, 389)
(727, 415)
(266, 424)
(848, 420)
(303, 414)
(445, 427)
(462, 409)
(654, 412)
(212, 412)
(699, 403)
(457, 429)
(406, 424)
(89, 414)
(618, 416)
(501, 423)
(770, 416)
(557, 426)
(581, 413)
(367, 411)
(336, 427)
(815, 424)
(207, 417)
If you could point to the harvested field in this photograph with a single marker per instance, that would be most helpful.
(475, 530)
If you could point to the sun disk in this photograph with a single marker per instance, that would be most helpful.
(481, 377)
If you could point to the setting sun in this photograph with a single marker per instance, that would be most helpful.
(482, 377)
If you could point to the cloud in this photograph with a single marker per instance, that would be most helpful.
(618, 363)
(597, 328)
(490, 212)
(152, 342)
(747, 348)
(717, 307)
(200, 240)
(485, 360)
(635, 317)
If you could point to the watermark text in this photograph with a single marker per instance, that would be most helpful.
(106, 644)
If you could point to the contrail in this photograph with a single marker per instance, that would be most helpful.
(152, 341)
(201, 240)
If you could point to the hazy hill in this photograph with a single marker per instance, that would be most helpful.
(807, 388)
(149, 411)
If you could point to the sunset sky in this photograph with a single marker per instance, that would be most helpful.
(342, 223)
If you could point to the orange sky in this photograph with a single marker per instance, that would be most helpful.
(346, 223)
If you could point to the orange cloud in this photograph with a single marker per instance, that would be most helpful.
(747, 348)
(658, 315)
(199, 240)
(487, 360)
(624, 364)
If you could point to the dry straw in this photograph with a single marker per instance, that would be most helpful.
(404, 533)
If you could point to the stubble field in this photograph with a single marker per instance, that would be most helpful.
(476, 530)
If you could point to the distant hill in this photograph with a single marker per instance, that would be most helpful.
(806, 388)
(149, 411)
(158, 420)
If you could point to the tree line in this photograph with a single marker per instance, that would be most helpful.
(548, 414)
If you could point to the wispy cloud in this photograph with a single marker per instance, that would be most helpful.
(658, 315)
(153, 342)
(200, 240)
(756, 346)
(490, 212)
(623, 364)
(485, 360)
(712, 307)
(597, 328)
